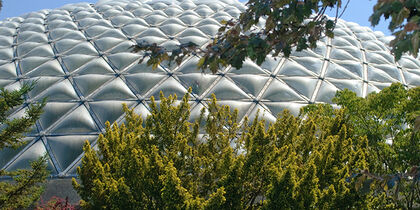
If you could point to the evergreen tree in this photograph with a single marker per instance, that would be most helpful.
(25, 188)
(165, 163)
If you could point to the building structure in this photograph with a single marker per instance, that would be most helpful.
(80, 59)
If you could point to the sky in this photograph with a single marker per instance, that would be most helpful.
(357, 11)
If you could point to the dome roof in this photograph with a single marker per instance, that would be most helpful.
(79, 56)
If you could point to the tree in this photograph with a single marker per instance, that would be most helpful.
(289, 25)
(25, 188)
(388, 120)
(164, 162)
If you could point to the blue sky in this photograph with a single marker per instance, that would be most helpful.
(358, 10)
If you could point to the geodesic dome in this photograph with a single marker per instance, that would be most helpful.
(79, 57)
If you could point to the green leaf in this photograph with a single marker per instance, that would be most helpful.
(330, 25)
(201, 62)
(366, 186)
(330, 34)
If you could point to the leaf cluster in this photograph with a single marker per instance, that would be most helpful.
(405, 24)
(169, 162)
(288, 25)
(279, 27)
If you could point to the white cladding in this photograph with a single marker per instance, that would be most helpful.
(79, 57)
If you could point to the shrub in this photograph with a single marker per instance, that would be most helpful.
(56, 203)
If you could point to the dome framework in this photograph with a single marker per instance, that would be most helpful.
(79, 57)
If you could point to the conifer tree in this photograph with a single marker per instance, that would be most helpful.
(25, 187)
(165, 163)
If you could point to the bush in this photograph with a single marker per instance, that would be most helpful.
(56, 203)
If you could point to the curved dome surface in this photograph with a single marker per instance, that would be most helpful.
(79, 56)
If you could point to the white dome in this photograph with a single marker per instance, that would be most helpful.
(79, 56)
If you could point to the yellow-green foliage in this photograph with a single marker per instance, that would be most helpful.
(163, 163)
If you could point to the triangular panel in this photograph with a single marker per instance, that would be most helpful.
(90, 82)
(199, 82)
(54, 111)
(278, 91)
(143, 82)
(109, 110)
(114, 90)
(169, 87)
(78, 121)
(227, 90)
(67, 148)
(249, 83)
(303, 85)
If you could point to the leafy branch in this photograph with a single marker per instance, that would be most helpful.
(405, 24)
(288, 24)
(391, 184)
